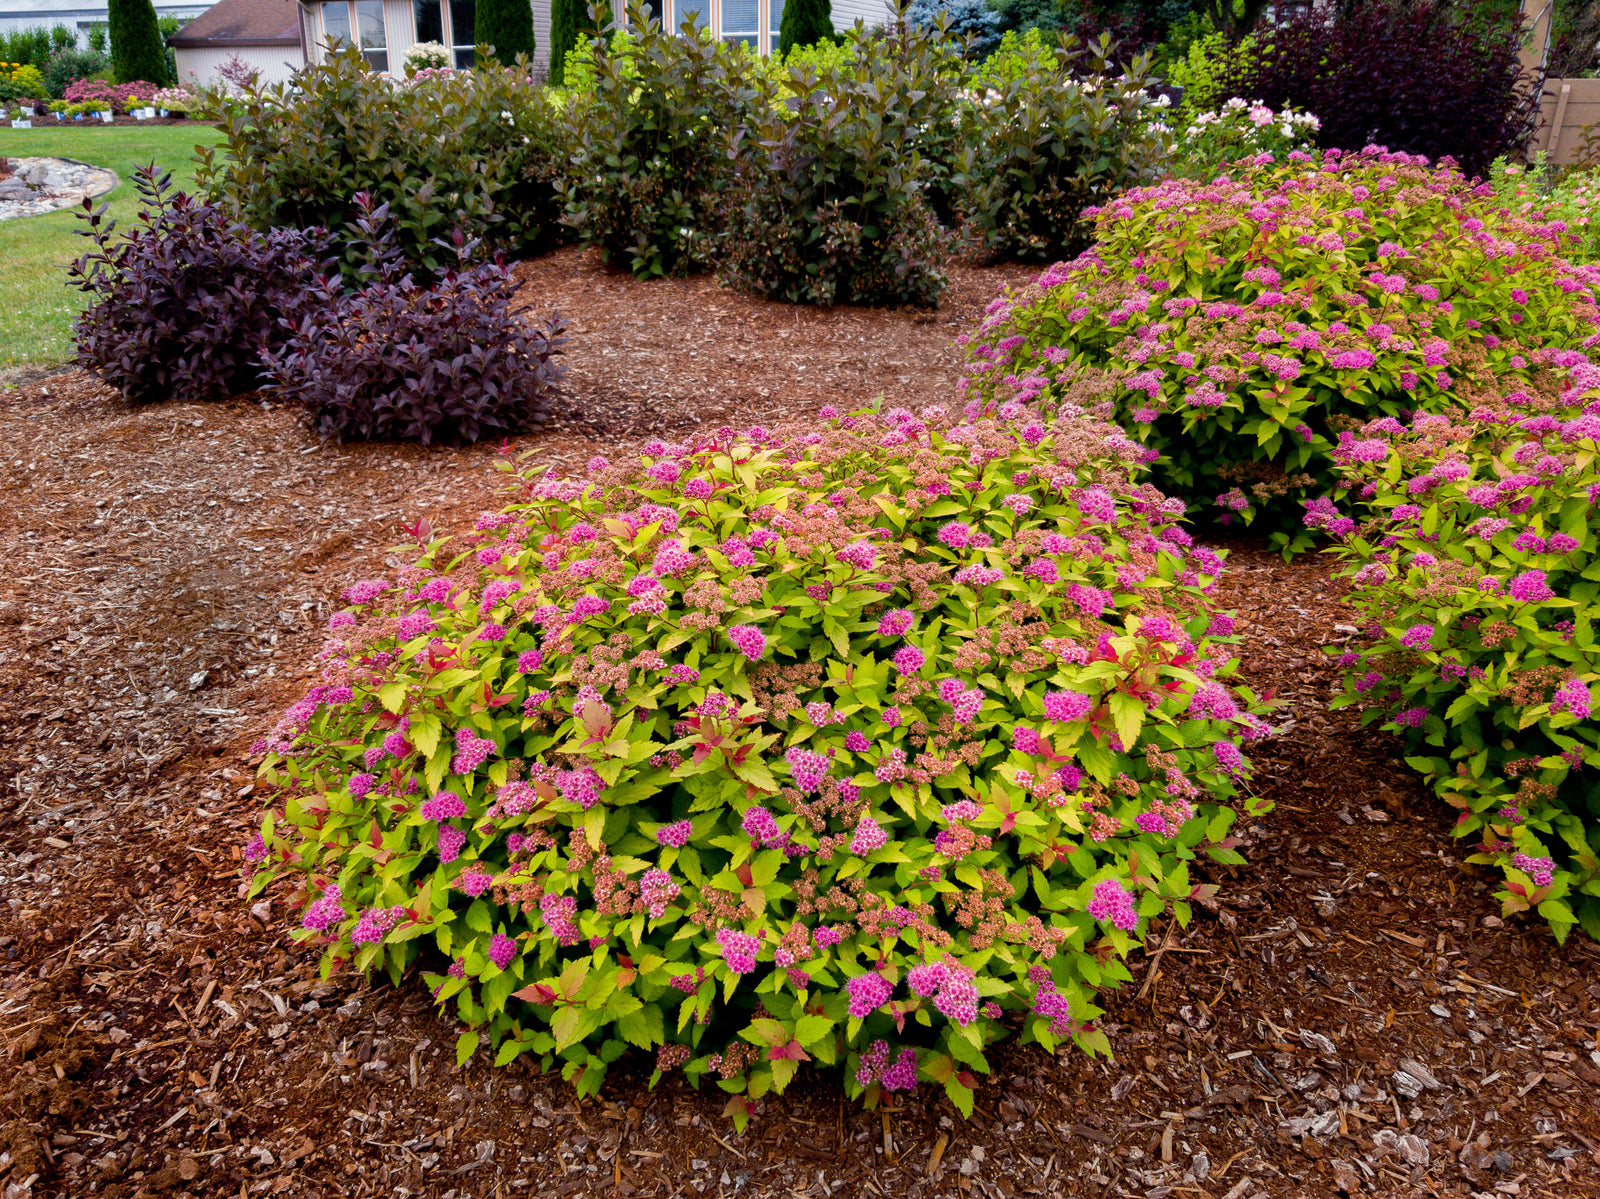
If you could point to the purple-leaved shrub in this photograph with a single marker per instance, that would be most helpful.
(184, 304)
(452, 361)
(865, 742)
(1239, 324)
(1476, 573)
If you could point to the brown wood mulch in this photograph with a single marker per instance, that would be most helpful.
(1355, 1018)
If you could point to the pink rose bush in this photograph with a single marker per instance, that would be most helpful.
(1475, 573)
(1239, 324)
(817, 804)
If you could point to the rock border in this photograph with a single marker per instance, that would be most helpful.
(61, 202)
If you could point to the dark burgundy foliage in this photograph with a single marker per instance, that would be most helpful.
(451, 362)
(187, 302)
(1411, 75)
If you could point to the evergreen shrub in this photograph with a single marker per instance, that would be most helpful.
(804, 23)
(504, 28)
(137, 51)
(1239, 325)
(869, 742)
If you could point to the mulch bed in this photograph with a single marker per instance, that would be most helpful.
(1355, 1016)
(117, 121)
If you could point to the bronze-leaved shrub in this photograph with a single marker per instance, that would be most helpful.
(476, 151)
(1238, 325)
(869, 742)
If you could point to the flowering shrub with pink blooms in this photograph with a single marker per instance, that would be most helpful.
(1239, 325)
(1476, 574)
(869, 742)
(115, 95)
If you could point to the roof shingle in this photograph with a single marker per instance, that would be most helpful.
(243, 23)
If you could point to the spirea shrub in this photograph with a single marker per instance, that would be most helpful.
(865, 743)
(648, 129)
(1476, 574)
(183, 305)
(476, 151)
(1419, 76)
(453, 361)
(1537, 192)
(1055, 135)
(1239, 325)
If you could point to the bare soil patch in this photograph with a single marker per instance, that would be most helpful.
(1354, 1017)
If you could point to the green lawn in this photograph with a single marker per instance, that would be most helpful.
(36, 306)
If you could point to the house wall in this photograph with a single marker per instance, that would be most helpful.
(400, 28)
(871, 12)
(199, 65)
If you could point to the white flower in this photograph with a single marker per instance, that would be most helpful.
(1163, 101)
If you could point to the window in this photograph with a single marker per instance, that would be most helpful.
(698, 11)
(336, 23)
(741, 22)
(463, 26)
(369, 30)
(428, 17)
(357, 23)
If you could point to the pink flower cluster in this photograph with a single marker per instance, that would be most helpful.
(868, 992)
(875, 1066)
(739, 949)
(1113, 904)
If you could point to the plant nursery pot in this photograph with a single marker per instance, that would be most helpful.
(106, 117)
(77, 116)
(163, 112)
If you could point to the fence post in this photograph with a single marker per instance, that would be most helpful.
(1553, 139)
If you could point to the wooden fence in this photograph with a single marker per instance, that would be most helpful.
(1569, 107)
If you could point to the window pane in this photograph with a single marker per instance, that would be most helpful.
(378, 60)
(651, 9)
(777, 22)
(429, 20)
(466, 58)
(464, 31)
(369, 24)
(698, 11)
(740, 17)
(336, 23)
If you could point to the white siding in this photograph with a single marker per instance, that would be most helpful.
(872, 12)
(541, 32)
(400, 28)
(199, 64)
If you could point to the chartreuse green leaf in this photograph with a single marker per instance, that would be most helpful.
(642, 868)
